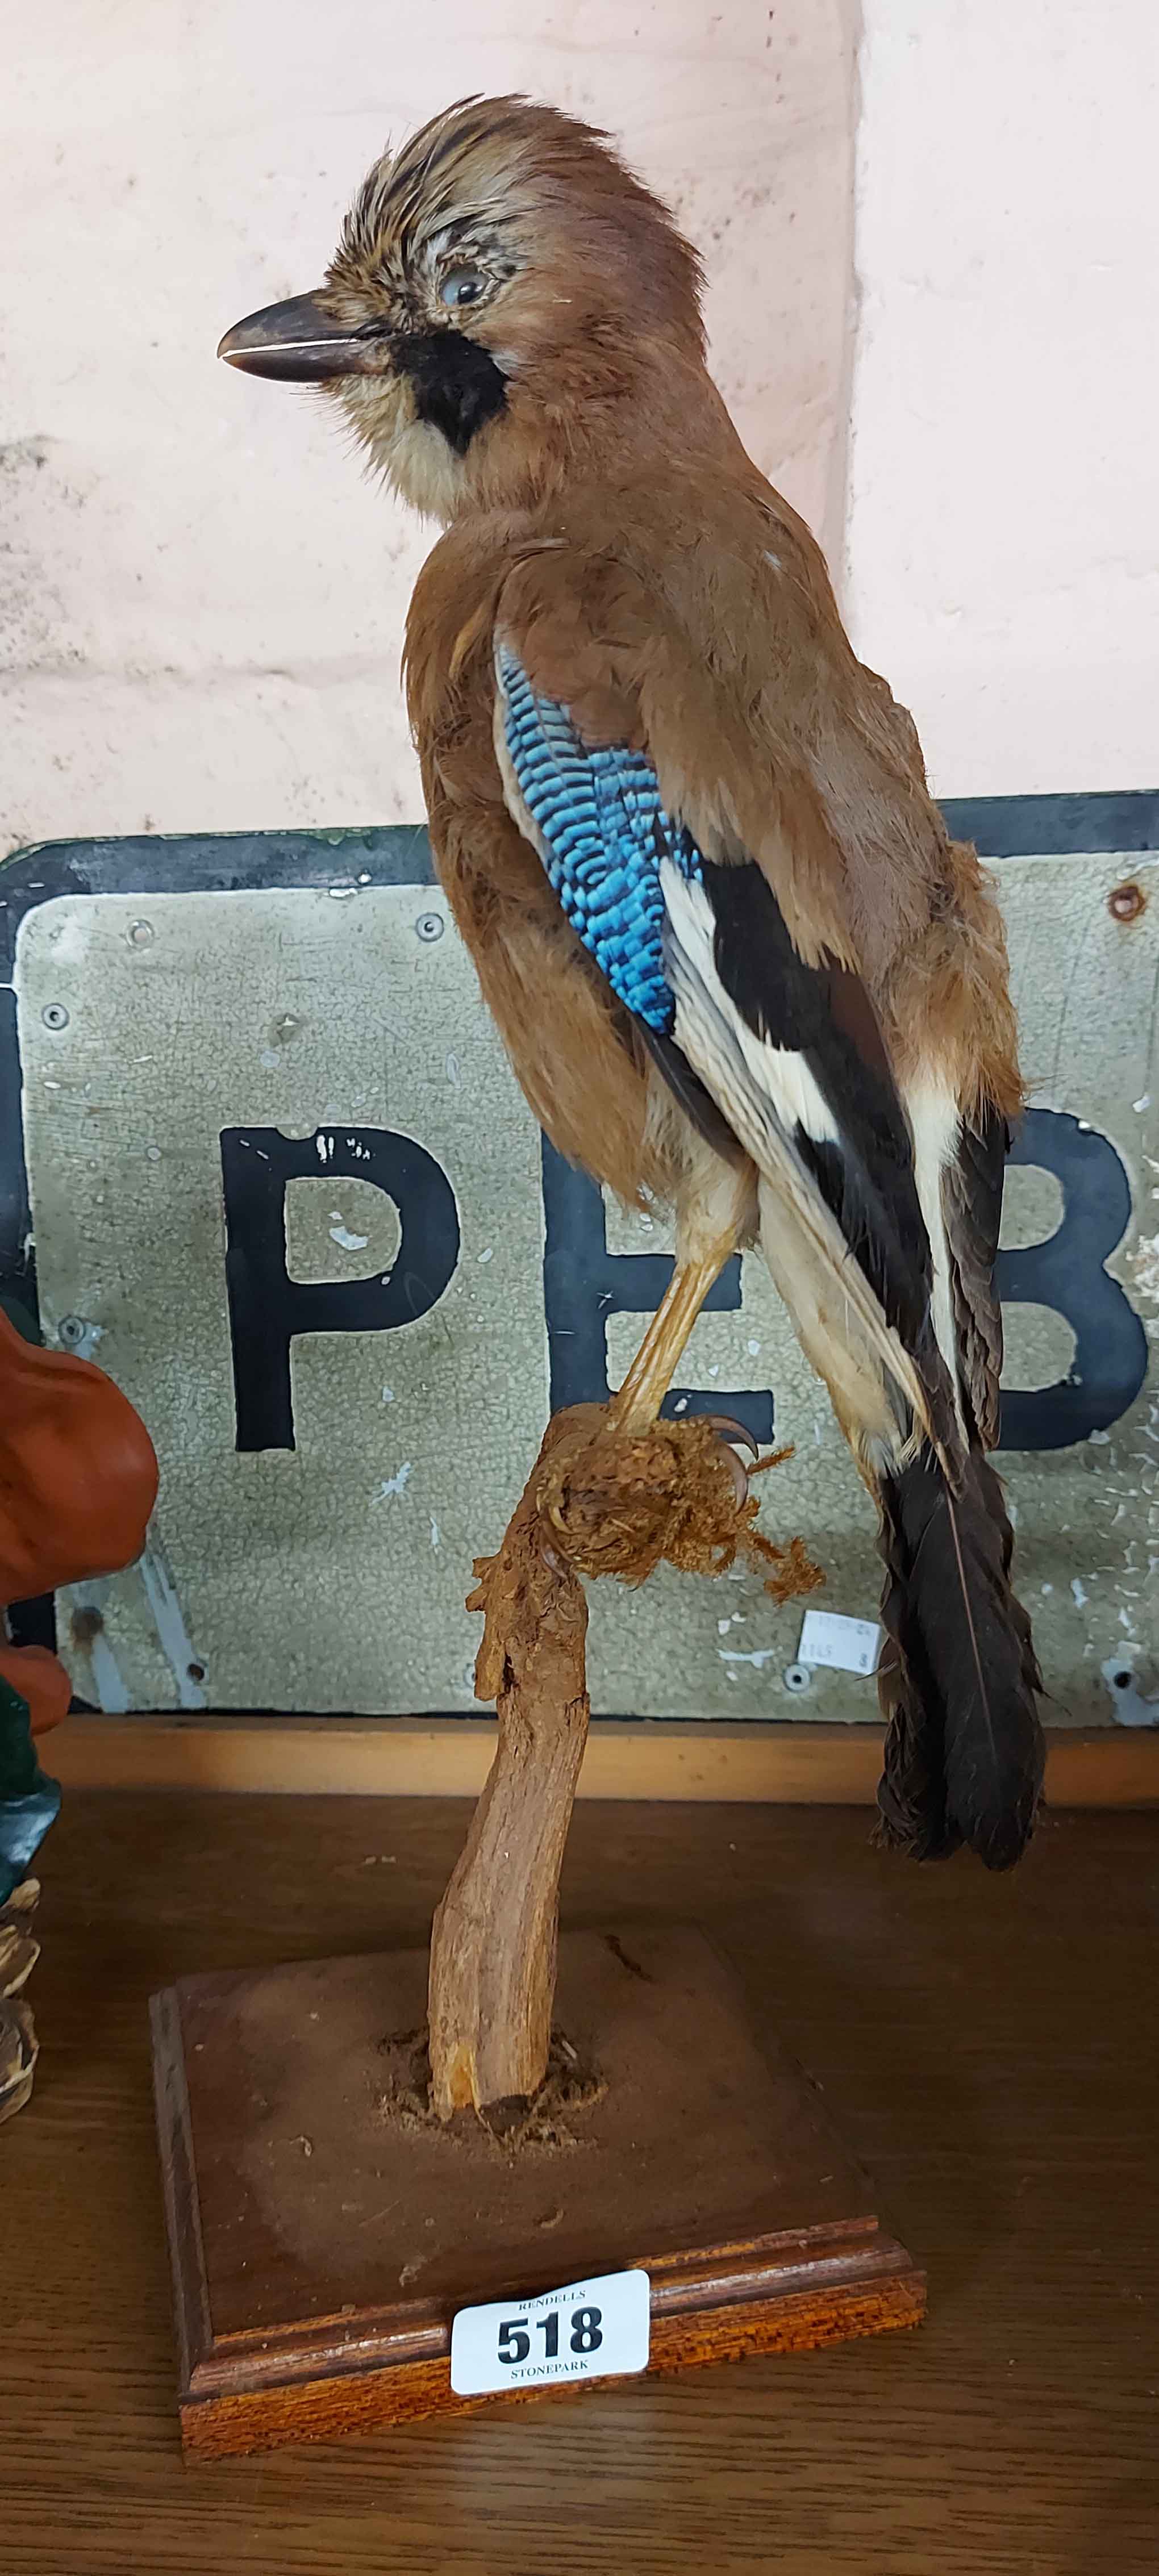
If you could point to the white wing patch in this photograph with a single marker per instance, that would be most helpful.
(763, 1090)
(935, 1121)
(782, 1077)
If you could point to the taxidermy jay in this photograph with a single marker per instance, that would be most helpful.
(737, 962)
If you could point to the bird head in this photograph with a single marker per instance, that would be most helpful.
(503, 289)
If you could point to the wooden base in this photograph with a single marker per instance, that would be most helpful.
(323, 2231)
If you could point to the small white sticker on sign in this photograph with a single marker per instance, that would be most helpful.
(848, 1645)
(591, 2330)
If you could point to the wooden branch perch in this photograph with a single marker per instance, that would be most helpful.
(493, 1946)
(598, 1501)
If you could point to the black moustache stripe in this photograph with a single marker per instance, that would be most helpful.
(457, 386)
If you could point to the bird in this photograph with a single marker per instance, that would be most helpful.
(738, 963)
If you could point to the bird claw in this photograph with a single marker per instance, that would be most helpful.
(732, 1431)
(739, 1473)
(728, 1431)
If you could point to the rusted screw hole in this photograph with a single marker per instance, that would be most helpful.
(1127, 902)
(196, 1672)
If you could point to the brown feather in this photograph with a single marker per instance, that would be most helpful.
(972, 1211)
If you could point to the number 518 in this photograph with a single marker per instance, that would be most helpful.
(515, 2339)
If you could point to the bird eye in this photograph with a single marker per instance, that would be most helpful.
(462, 286)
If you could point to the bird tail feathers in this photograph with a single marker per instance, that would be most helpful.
(964, 1747)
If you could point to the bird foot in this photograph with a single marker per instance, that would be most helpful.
(733, 1435)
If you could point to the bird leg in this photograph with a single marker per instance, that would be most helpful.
(658, 1358)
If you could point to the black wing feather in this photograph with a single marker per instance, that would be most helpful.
(824, 1014)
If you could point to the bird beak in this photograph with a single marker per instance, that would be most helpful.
(300, 344)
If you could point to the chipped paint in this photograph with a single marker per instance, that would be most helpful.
(1144, 1262)
(168, 1619)
(111, 1690)
(396, 1484)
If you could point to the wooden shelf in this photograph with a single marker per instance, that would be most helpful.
(790, 1765)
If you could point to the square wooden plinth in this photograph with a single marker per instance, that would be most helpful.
(322, 2236)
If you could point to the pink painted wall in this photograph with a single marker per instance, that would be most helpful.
(1002, 558)
(202, 601)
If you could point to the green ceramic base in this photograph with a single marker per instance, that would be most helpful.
(29, 1801)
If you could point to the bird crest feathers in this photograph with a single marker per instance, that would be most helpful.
(545, 181)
